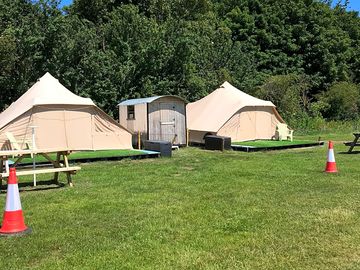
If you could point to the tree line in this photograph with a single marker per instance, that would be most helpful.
(304, 55)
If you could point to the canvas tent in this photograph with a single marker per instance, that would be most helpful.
(227, 111)
(62, 120)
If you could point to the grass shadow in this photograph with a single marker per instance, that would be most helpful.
(347, 153)
(40, 186)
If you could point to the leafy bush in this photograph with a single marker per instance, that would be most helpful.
(343, 101)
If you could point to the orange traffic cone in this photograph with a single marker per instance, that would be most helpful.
(331, 164)
(13, 220)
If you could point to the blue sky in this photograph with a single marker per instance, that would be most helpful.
(354, 4)
(65, 2)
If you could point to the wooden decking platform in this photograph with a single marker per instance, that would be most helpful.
(245, 148)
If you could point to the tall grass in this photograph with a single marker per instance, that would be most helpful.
(308, 126)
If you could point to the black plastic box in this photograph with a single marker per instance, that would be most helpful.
(163, 147)
(213, 142)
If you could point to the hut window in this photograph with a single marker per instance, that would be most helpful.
(130, 112)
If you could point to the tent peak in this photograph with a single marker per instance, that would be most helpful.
(46, 91)
(47, 76)
(226, 84)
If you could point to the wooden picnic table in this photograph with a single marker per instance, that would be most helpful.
(354, 142)
(60, 164)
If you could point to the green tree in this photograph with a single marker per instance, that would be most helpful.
(343, 101)
(113, 50)
(288, 93)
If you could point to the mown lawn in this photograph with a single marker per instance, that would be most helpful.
(273, 143)
(197, 210)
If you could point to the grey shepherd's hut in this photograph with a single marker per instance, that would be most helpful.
(155, 118)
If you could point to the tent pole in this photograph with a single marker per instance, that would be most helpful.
(187, 137)
(139, 140)
(33, 155)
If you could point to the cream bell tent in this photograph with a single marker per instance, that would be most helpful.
(155, 118)
(227, 111)
(61, 120)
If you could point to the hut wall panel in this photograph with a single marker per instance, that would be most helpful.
(139, 124)
(167, 120)
(154, 129)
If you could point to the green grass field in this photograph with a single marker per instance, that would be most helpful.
(197, 210)
(270, 143)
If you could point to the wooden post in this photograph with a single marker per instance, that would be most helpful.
(33, 155)
(139, 140)
(66, 163)
(1, 166)
(187, 137)
(57, 165)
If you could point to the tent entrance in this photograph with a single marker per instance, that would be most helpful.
(250, 123)
(69, 127)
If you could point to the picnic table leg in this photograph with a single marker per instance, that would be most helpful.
(353, 143)
(57, 165)
(4, 162)
(68, 174)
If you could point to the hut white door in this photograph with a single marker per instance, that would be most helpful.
(167, 122)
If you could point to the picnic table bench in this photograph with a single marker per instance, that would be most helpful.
(354, 142)
(60, 164)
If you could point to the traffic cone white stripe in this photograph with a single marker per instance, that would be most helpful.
(13, 198)
(331, 164)
(13, 219)
(331, 156)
